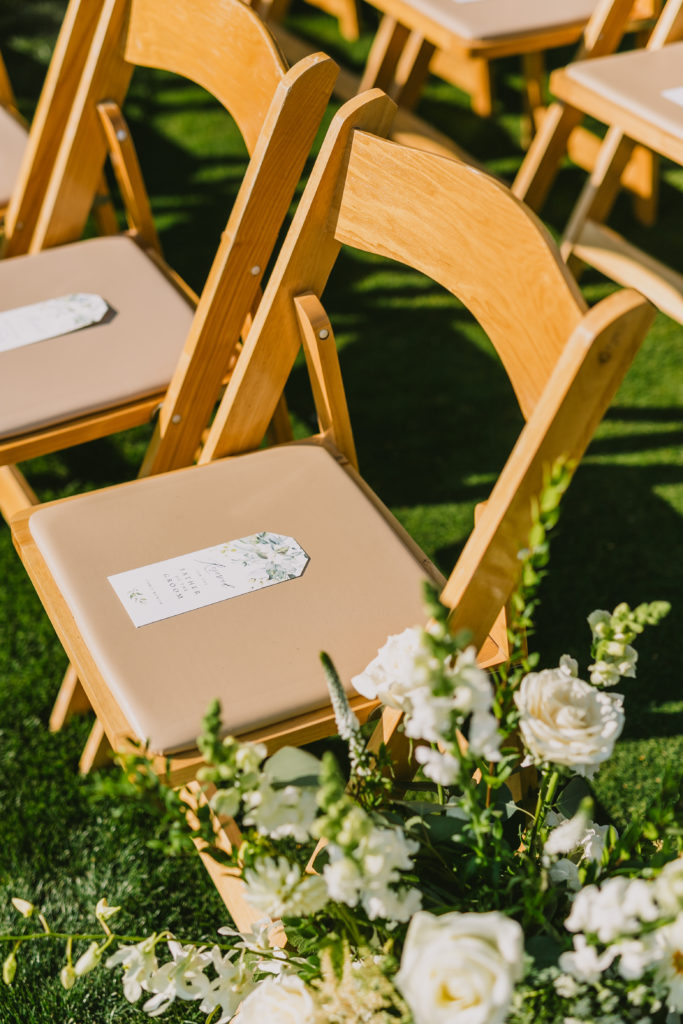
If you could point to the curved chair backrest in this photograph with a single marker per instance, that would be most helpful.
(457, 224)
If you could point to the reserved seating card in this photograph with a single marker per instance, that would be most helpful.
(675, 95)
(26, 325)
(176, 585)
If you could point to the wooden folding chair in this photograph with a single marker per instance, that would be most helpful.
(639, 95)
(259, 653)
(27, 158)
(160, 348)
(458, 41)
(13, 136)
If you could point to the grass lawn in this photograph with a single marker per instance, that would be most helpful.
(434, 418)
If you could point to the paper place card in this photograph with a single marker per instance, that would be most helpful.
(26, 325)
(177, 585)
(675, 95)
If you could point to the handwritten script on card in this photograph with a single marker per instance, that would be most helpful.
(187, 582)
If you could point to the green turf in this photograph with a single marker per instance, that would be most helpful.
(434, 418)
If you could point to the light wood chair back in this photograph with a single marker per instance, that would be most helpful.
(464, 229)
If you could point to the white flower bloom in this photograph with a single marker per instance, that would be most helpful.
(635, 956)
(282, 812)
(567, 835)
(473, 689)
(618, 908)
(441, 767)
(668, 887)
(567, 721)
(180, 978)
(23, 906)
(103, 911)
(460, 968)
(343, 878)
(249, 756)
(283, 1000)
(89, 960)
(401, 665)
(427, 717)
(279, 889)
(585, 963)
(139, 963)
(566, 986)
(668, 943)
(483, 736)
(600, 623)
(233, 982)
(399, 905)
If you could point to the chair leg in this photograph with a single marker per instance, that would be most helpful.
(600, 190)
(97, 750)
(384, 54)
(411, 71)
(548, 147)
(533, 70)
(646, 198)
(71, 700)
(16, 494)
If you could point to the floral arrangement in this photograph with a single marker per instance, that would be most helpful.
(436, 898)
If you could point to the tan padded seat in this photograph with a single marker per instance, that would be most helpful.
(488, 20)
(130, 356)
(12, 145)
(635, 81)
(257, 653)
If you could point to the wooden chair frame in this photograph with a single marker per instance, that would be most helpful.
(586, 238)
(283, 113)
(560, 130)
(280, 116)
(422, 210)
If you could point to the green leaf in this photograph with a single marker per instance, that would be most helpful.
(576, 790)
(291, 766)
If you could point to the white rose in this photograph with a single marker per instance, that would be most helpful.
(460, 968)
(567, 721)
(283, 1000)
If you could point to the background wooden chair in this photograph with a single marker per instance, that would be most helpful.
(27, 158)
(638, 95)
(13, 136)
(164, 350)
(116, 375)
(259, 653)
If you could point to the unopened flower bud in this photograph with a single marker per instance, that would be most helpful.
(67, 976)
(9, 968)
(103, 911)
(23, 906)
(88, 961)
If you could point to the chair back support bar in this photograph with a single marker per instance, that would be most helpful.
(61, 82)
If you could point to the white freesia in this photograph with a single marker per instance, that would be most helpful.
(460, 968)
(439, 766)
(577, 835)
(635, 956)
(283, 1000)
(279, 889)
(401, 665)
(584, 962)
(617, 908)
(182, 977)
(483, 736)
(279, 813)
(139, 963)
(567, 721)
(232, 983)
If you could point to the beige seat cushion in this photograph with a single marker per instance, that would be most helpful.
(257, 653)
(12, 144)
(489, 20)
(635, 81)
(131, 355)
